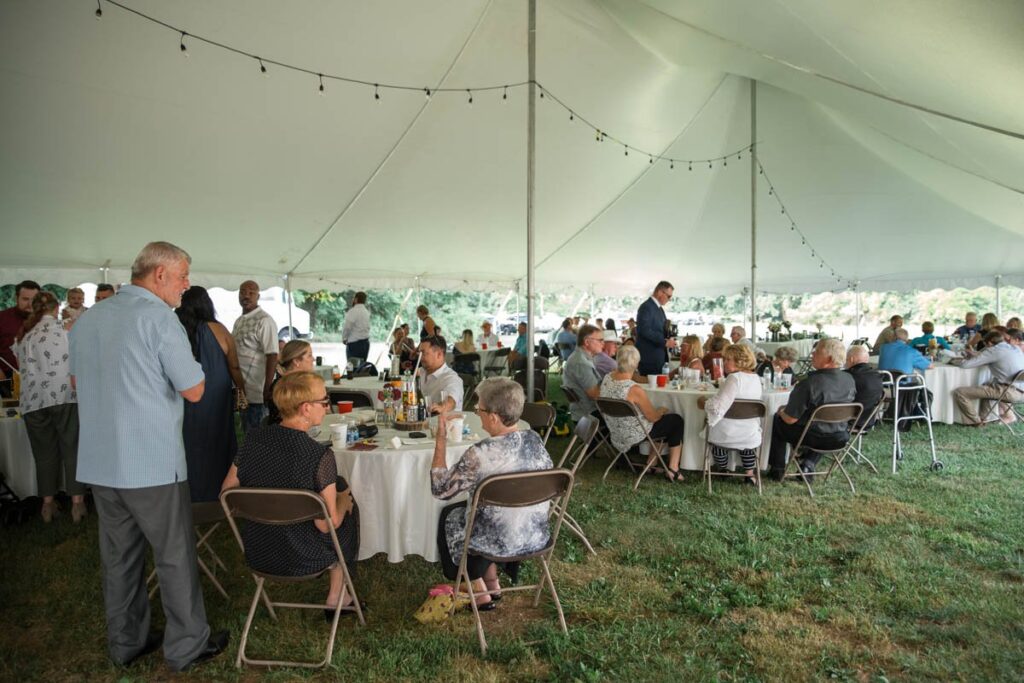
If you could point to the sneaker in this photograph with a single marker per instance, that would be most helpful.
(807, 468)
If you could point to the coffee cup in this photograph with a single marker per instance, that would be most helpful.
(652, 381)
(455, 429)
(339, 434)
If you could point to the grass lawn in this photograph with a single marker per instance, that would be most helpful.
(919, 576)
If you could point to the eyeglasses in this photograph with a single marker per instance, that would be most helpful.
(484, 410)
(325, 401)
(599, 340)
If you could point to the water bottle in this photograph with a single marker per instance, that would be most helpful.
(352, 436)
(666, 369)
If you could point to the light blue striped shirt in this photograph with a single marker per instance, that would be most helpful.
(130, 357)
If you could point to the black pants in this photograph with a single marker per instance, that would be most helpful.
(788, 434)
(670, 428)
(358, 349)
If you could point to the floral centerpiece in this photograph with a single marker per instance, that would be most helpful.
(774, 328)
(391, 397)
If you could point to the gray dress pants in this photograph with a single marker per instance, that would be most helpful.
(161, 516)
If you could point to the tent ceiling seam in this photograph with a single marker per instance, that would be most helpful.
(387, 157)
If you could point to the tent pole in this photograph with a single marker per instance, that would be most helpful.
(999, 298)
(106, 271)
(531, 146)
(856, 293)
(288, 292)
(753, 210)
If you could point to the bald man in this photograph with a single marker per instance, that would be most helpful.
(867, 379)
(255, 334)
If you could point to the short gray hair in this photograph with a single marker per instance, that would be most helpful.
(787, 353)
(503, 397)
(902, 334)
(738, 328)
(157, 254)
(627, 359)
(856, 351)
(834, 349)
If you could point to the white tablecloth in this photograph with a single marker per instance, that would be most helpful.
(803, 346)
(684, 402)
(364, 385)
(942, 379)
(16, 461)
(397, 513)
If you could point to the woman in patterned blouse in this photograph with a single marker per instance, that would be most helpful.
(497, 531)
(49, 405)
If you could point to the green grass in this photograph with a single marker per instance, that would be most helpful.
(919, 576)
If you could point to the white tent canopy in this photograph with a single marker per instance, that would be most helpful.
(110, 138)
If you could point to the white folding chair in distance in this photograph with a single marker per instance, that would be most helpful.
(618, 408)
(518, 489)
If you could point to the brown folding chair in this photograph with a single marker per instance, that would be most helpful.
(518, 489)
(741, 409)
(830, 413)
(573, 397)
(540, 383)
(499, 362)
(857, 432)
(541, 418)
(1015, 407)
(576, 453)
(358, 398)
(282, 507)
(617, 408)
(469, 383)
(208, 515)
(465, 359)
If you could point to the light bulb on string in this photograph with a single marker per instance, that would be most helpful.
(626, 148)
(541, 93)
(376, 92)
(426, 92)
(771, 191)
(672, 165)
(321, 84)
(470, 100)
(691, 166)
(571, 118)
(725, 162)
(184, 49)
(597, 134)
(99, 10)
(650, 160)
(263, 67)
(709, 163)
(504, 95)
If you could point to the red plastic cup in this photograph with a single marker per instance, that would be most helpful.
(662, 380)
(344, 407)
(484, 346)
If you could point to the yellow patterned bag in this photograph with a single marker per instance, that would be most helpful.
(436, 608)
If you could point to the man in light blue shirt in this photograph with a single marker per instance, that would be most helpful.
(900, 357)
(566, 340)
(132, 364)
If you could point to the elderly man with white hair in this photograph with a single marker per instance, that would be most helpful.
(827, 383)
(738, 334)
(866, 378)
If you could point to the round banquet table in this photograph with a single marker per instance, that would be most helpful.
(684, 402)
(16, 461)
(803, 347)
(397, 513)
(363, 385)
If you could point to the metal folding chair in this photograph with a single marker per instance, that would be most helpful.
(1015, 407)
(469, 383)
(617, 408)
(499, 362)
(469, 360)
(541, 418)
(540, 383)
(831, 413)
(283, 507)
(208, 515)
(741, 409)
(518, 489)
(576, 453)
(602, 441)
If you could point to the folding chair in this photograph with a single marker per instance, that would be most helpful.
(857, 432)
(358, 398)
(203, 514)
(282, 507)
(540, 383)
(464, 360)
(1015, 407)
(576, 453)
(741, 409)
(541, 417)
(499, 362)
(617, 408)
(904, 385)
(602, 441)
(469, 383)
(518, 489)
(829, 413)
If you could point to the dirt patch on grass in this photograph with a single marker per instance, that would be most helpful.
(803, 645)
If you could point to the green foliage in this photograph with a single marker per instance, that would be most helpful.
(7, 297)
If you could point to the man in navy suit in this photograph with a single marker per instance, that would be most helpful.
(652, 337)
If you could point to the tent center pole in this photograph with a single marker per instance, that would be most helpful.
(288, 293)
(753, 210)
(856, 293)
(531, 145)
(999, 298)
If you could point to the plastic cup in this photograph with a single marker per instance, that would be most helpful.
(784, 381)
(339, 434)
(662, 380)
(652, 381)
(455, 430)
(484, 346)
(344, 407)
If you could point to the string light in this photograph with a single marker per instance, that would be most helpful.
(376, 92)
(99, 10)
(426, 91)
(321, 84)
(470, 101)
(184, 50)
(263, 67)
(691, 166)
(571, 116)
(671, 165)
(504, 95)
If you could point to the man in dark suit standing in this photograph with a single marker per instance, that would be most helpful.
(652, 338)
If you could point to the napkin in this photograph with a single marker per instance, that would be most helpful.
(395, 442)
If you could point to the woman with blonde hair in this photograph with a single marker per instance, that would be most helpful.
(989, 321)
(464, 345)
(296, 356)
(49, 405)
(284, 456)
(691, 353)
(726, 434)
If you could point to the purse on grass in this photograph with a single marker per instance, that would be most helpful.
(438, 605)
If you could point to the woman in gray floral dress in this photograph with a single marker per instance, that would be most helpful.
(49, 405)
(498, 531)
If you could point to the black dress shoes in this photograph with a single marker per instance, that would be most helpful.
(153, 642)
(215, 644)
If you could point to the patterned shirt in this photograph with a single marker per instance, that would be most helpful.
(624, 431)
(45, 374)
(131, 358)
(497, 531)
(255, 338)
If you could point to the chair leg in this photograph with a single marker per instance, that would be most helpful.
(707, 465)
(248, 623)
(612, 464)
(212, 578)
(795, 462)
(578, 531)
(554, 594)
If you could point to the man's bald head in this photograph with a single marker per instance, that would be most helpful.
(856, 355)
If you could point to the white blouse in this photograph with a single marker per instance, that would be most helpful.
(727, 432)
(45, 373)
